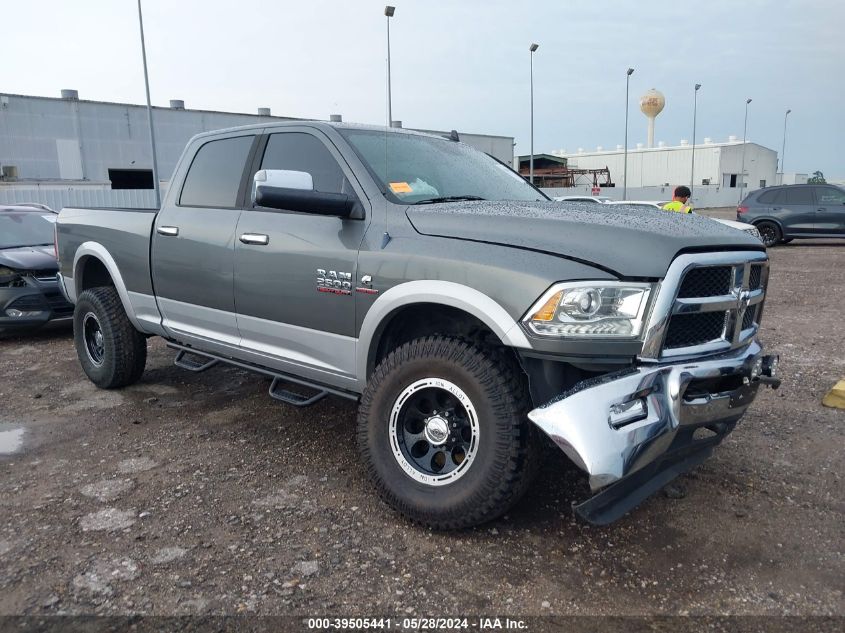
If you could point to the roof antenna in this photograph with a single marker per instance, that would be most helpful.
(453, 136)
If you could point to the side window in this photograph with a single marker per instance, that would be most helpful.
(299, 151)
(799, 195)
(772, 197)
(215, 174)
(829, 195)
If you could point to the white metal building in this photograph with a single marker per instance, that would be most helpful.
(62, 151)
(717, 165)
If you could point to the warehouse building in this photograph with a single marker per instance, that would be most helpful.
(716, 164)
(62, 151)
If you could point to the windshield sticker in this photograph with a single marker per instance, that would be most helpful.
(400, 187)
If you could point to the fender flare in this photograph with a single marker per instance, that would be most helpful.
(446, 293)
(99, 252)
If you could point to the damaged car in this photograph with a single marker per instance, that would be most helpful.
(29, 290)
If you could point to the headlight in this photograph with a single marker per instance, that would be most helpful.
(590, 309)
(752, 230)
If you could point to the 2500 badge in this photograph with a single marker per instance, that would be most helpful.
(339, 283)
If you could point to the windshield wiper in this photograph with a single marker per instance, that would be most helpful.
(448, 199)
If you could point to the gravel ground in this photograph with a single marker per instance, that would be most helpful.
(198, 494)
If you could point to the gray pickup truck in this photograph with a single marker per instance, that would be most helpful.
(473, 319)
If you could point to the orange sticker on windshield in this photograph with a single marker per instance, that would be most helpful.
(400, 187)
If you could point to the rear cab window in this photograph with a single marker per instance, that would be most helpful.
(799, 195)
(214, 177)
(777, 196)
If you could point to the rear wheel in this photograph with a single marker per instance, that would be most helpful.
(770, 232)
(111, 351)
(443, 430)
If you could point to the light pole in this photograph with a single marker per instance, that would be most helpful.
(783, 149)
(531, 49)
(149, 109)
(692, 162)
(742, 169)
(388, 12)
(628, 74)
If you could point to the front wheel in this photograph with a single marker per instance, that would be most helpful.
(443, 431)
(111, 351)
(769, 232)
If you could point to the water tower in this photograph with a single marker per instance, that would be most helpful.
(652, 104)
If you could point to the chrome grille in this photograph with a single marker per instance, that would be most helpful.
(749, 319)
(695, 329)
(708, 303)
(755, 280)
(707, 281)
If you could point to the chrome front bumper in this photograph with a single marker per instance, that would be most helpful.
(616, 425)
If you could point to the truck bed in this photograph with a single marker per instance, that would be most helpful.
(125, 232)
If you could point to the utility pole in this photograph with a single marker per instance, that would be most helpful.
(149, 109)
(692, 162)
(742, 169)
(783, 148)
(628, 74)
(388, 12)
(531, 49)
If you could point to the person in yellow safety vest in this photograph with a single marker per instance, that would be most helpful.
(679, 201)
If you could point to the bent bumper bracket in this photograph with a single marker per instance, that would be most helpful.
(634, 429)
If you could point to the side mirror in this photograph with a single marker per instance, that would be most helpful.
(294, 191)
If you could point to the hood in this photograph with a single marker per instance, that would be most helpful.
(628, 241)
(29, 258)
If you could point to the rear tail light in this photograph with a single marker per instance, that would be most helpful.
(741, 209)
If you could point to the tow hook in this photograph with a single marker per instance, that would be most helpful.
(765, 370)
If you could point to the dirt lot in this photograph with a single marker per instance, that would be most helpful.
(189, 494)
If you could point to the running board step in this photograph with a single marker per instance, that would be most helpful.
(193, 361)
(292, 398)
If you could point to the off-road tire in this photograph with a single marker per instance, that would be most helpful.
(124, 348)
(770, 233)
(508, 453)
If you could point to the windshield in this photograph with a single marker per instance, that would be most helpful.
(416, 169)
(25, 229)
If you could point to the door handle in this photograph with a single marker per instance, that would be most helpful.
(255, 238)
(172, 231)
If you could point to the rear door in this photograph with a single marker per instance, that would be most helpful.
(830, 210)
(285, 313)
(192, 255)
(797, 210)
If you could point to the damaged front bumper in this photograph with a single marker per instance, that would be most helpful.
(634, 431)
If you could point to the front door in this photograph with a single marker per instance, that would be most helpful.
(830, 210)
(295, 272)
(193, 245)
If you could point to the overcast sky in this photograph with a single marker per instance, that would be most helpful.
(461, 64)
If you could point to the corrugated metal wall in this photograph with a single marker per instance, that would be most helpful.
(58, 198)
(49, 138)
(46, 137)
